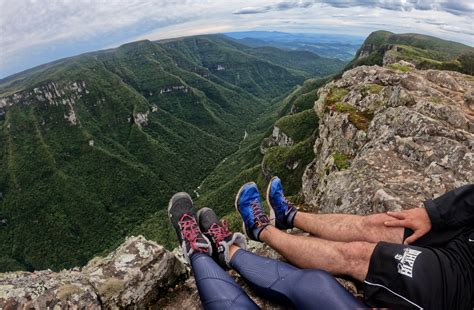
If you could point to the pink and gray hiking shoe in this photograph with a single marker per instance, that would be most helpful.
(183, 219)
(219, 235)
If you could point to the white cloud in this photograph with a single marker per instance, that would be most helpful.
(29, 28)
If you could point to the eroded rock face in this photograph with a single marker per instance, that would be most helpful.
(278, 138)
(138, 273)
(392, 139)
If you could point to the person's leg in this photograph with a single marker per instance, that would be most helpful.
(216, 288)
(347, 227)
(275, 280)
(338, 258)
(301, 288)
(341, 258)
(336, 227)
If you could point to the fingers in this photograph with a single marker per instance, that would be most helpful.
(415, 236)
(396, 223)
(412, 238)
(398, 215)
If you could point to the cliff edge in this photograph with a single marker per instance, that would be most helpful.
(390, 138)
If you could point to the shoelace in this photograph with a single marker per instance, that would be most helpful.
(260, 217)
(219, 232)
(289, 205)
(191, 232)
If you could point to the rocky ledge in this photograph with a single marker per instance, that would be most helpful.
(137, 274)
(391, 137)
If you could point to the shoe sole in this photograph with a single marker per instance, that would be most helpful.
(237, 208)
(272, 213)
(177, 196)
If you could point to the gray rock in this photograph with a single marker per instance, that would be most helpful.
(418, 145)
(137, 274)
(278, 138)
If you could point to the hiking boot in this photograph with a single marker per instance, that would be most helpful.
(219, 235)
(247, 202)
(183, 219)
(282, 211)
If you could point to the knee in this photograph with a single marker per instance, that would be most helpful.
(356, 256)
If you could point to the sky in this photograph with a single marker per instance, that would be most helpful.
(33, 32)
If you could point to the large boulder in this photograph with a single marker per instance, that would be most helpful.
(137, 274)
(390, 137)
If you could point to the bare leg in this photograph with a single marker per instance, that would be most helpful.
(346, 227)
(338, 258)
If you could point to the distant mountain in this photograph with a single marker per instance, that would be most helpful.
(382, 47)
(92, 146)
(342, 47)
(307, 63)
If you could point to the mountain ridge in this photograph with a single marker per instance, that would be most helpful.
(93, 145)
(425, 52)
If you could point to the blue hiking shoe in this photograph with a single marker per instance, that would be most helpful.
(282, 211)
(250, 208)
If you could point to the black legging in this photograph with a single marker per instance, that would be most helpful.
(272, 279)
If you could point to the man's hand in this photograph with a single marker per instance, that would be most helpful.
(416, 219)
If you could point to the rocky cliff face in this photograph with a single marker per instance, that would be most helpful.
(278, 138)
(391, 137)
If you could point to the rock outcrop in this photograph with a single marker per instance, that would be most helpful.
(278, 138)
(391, 137)
(137, 274)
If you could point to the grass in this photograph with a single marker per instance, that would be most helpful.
(341, 161)
(400, 67)
(342, 107)
(372, 88)
(361, 120)
(336, 94)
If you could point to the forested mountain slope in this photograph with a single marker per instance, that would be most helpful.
(91, 146)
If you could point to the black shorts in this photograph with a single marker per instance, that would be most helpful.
(417, 277)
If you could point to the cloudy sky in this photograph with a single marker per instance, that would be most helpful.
(33, 32)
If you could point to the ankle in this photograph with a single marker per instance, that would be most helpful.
(232, 250)
(266, 233)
